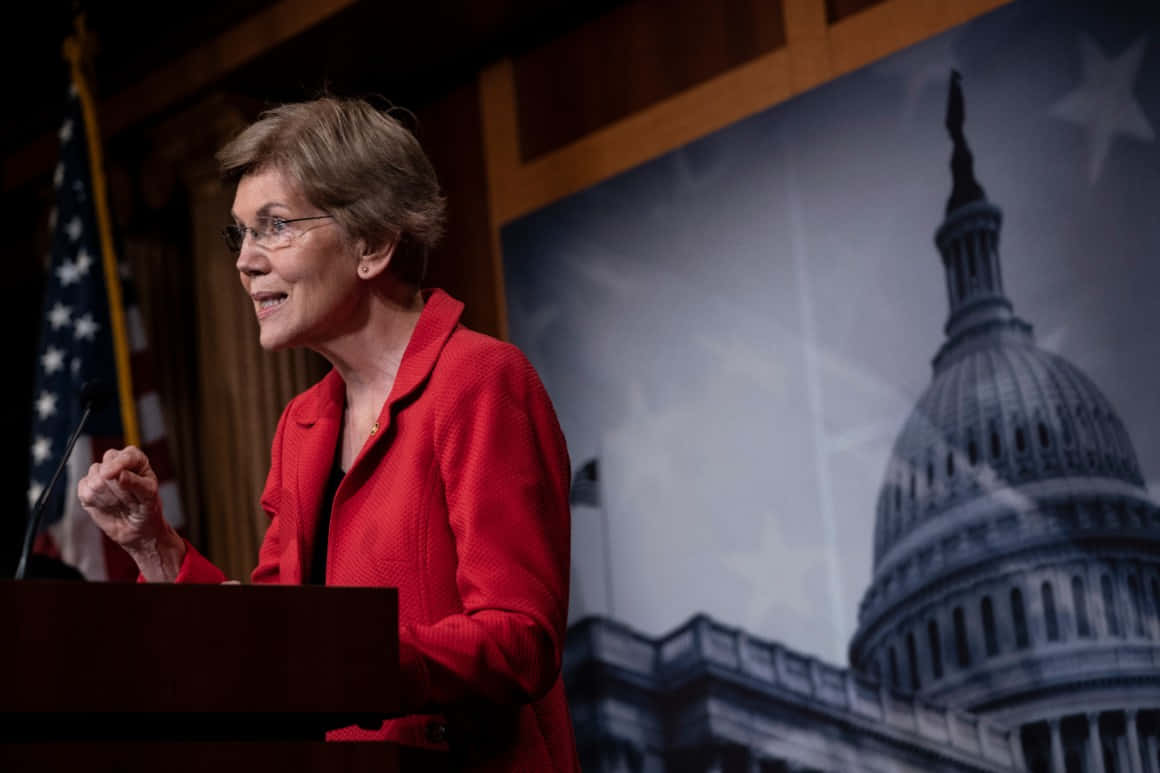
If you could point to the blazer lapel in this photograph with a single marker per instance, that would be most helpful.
(319, 422)
(319, 415)
(439, 319)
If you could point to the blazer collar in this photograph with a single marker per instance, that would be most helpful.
(437, 321)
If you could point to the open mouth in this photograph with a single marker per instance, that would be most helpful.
(267, 302)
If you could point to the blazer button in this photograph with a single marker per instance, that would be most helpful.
(436, 732)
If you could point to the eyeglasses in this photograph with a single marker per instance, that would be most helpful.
(273, 233)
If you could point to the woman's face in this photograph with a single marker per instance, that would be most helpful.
(304, 293)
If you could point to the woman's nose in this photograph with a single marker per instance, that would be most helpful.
(251, 257)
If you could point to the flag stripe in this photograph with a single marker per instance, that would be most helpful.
(152, 424)
(136, 327)
(143, 380)
(158, 453)
(171, 503)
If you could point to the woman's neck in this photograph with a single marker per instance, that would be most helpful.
(368, 357)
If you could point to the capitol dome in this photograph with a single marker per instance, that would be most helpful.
(1000, 413)
(1016, 548)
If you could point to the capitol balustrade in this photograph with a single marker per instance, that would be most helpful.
(703, 647)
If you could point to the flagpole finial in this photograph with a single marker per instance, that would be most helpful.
(79, 47)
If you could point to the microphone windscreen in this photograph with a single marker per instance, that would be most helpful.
(95, 394)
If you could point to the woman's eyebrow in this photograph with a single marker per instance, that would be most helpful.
(263, 212)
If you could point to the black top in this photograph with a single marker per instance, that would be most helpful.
(318, 556)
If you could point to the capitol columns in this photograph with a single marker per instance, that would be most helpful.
(1057, 762)
(1095, 745)
(1134, 743)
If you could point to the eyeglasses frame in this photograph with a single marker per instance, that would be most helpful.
(236, 232)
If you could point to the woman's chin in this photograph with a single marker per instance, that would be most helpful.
(272, 340)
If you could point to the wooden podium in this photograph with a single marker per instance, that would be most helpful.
(109, 676)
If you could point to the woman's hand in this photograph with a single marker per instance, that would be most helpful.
(120, 495)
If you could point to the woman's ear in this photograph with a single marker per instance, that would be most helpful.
(374, 262)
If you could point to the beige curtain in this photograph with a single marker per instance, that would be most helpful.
(222, 394)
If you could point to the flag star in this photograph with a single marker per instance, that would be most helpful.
(59, 316)
(58, 174)
(66, 130)
(53, 360)
(79, 190)
(86, 327)
(72, 90)
(34, 492)
(74, 228)
(76, 365)
(84, 262)
(41, 449)
(1103, 104)
(123, 270)
(46, 404)
(921, 67)
(68, 273)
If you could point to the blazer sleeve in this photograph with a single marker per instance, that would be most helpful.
(506, 474)
(268, 568)
(196, 568)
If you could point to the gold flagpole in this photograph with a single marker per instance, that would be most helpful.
(76, 52)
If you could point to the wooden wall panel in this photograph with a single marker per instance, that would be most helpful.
(836, 10)
(815, 52)
(631, 58)
(451, 130)
(817, 49)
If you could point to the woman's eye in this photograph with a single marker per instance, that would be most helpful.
(277, 225)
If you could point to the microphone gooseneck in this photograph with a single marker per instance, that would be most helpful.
(94, 395)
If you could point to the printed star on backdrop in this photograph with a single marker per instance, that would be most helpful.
(754, 566)
(59, 316)
(86, 328)
(41, 449)
(74, 228)
(925, 65)
(84, 262)
(46, 404)
(1103, 103)
(68, 273)
(52, 359)
(34, 492)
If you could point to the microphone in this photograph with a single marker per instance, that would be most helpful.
(94, 396)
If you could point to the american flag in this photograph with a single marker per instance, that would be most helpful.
(78, 344)
(586, 485)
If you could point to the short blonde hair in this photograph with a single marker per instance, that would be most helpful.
(357, 163)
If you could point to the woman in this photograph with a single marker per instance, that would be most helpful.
(428, 459)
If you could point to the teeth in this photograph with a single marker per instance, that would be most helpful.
(271, 302)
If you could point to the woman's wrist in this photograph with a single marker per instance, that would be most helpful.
(159, 559)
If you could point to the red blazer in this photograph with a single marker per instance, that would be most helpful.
(460, 501)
